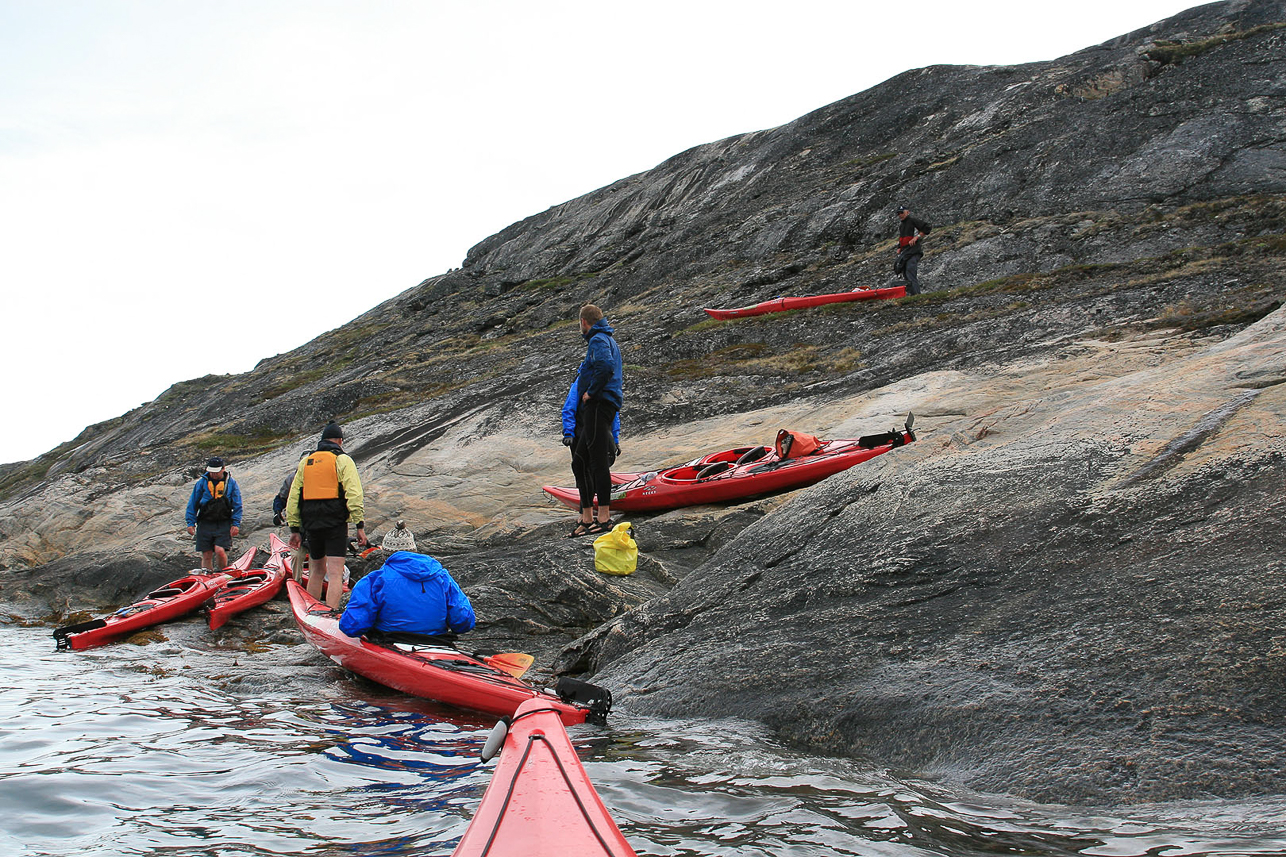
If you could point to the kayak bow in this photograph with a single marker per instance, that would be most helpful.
(251, 587)
(540, 802)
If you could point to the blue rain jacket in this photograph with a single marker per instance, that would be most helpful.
(601, 373)
(201, 495)
(569, 415)
(410, 592)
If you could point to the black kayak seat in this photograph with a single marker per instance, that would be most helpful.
(385, 638)
(753, 454)
(713, 469)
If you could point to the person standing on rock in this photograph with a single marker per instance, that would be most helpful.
(325, 496)
(410, 593)
(214, 514)
(599, 386)
(909, 251)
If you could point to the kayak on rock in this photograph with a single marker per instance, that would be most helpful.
(742, 472)
(804, 301)
(251, 587)
(174, 599)
(432, 668)
(540, 802)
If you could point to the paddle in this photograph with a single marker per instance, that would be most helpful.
(514, 663)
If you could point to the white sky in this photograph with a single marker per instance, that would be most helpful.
(188, 186)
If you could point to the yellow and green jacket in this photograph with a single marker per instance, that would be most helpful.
(326, 490)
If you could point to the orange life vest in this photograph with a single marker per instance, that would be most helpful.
(321, 476)
(793, 444)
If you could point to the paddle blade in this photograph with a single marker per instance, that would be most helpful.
(514, 663)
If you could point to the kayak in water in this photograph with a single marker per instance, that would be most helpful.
(431, 667)
(804, 301)
(540, 802)
(174, 599)
(741, 473)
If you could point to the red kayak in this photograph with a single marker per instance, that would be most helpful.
(436, 670)
(174, 599)
(740, 473)
(803, 301)
(540, 802)
(251, 587)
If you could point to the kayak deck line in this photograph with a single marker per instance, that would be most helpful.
(513, 782)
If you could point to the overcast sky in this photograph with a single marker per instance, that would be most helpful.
(188, 186)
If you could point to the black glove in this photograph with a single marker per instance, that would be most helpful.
(567, 440)
(618, 450)
(277, 520)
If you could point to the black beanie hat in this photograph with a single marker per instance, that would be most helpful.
(332, 431)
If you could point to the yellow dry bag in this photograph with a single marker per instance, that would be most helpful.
(616, 552)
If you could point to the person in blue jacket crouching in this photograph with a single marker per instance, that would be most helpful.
(410, 593)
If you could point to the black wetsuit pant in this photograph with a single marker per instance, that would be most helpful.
(592, 452)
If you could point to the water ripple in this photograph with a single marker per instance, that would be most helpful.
(168, 749)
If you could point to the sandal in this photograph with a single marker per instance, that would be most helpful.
(582, 529)
(599, 527)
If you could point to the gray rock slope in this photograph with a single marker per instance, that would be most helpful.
(1067, 589)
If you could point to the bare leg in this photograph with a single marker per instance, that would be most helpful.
(604, 514)
(221, 556)
(207, 560)
(334, 580)
(316, 577)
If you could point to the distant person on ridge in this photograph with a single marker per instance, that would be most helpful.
(214, 514)
(909, 251)
(569, 423)
(599, 385)
(411, 593)
(325, 496)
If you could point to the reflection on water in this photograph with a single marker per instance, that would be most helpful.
(131, 750)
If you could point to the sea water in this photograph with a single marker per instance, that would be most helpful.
(186, 748)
